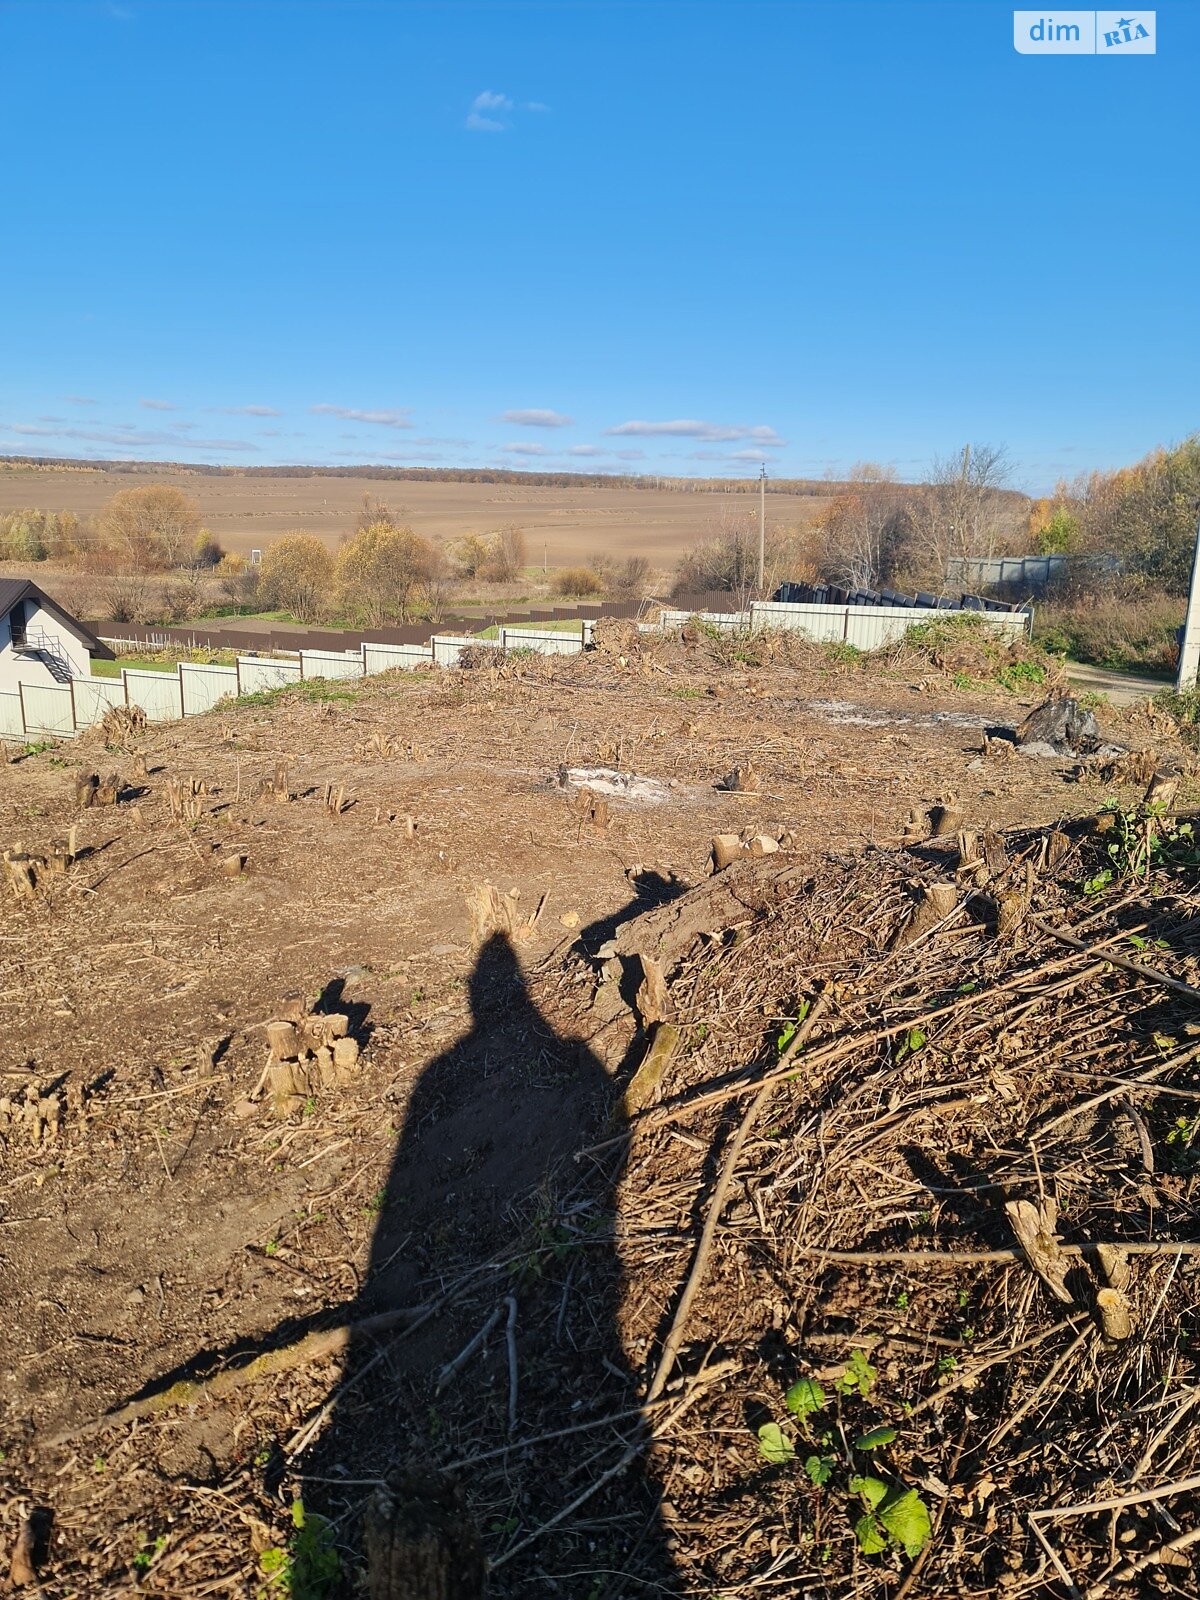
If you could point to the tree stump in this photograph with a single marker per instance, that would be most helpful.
(938, 901)
(945, 820)
(726, 849)
(86, 785)
(421, 1543)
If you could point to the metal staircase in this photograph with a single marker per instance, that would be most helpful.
(43, 647)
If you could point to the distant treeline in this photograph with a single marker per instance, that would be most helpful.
(818, 487)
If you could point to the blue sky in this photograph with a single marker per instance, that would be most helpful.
(676, 237)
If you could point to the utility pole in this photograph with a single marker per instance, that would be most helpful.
(1189, 638)
(762, 529)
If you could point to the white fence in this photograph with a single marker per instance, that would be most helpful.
(867, 628)
(57, 711)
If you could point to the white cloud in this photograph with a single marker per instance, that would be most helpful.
(411, 458)
(385, 419)
(731, 457)
(691, 428)
(538, 419)
(491, 112)
(248, 411)
(587, 450)
(525, 450)
(478, 118)
(80, 399)
(124, 436)
(158, 405)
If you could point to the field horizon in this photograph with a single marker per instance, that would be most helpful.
(565, 523)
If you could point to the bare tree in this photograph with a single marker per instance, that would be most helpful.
(962, 511)
(506, 555)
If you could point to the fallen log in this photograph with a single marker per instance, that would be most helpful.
(191, 1392)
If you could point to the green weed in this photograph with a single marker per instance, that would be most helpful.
(889, 1513)
(148, 1552)
(308, 1567)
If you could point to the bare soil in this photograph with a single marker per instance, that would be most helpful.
(178, 1225)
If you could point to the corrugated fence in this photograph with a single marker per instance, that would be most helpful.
(57, 711)
(865, 627)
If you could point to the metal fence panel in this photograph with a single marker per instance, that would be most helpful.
(204, 684)
(95, 696)
(48, 710)
(388, 657)
(157, 693)
(331, 664)
(256, 673)
(730, 621)
(447, 647)
(822, 623)
(550, 643)
(12, 723)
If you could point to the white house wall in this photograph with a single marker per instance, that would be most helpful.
(20, 668)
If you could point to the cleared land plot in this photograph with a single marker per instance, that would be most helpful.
(178, 1222)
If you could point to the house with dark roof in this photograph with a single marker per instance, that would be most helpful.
(40, 643)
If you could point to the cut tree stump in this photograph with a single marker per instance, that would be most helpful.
(726, 849)
(22, 873)
(937, 902)
(945, 820)
(421, 1543)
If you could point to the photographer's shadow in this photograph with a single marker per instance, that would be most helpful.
(482, 1176)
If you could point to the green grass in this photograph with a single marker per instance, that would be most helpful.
(112, 669)
(322, 689)
(561, 626)
(165, 661)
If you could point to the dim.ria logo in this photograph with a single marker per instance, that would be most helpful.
(1084, 33)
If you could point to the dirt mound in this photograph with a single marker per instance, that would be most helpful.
(964, 648)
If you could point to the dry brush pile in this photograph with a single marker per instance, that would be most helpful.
(925, 1195)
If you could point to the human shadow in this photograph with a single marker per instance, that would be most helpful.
(486, 1215)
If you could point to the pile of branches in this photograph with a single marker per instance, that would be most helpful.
(922, 1181)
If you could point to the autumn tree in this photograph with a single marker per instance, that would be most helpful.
(471, 554)
(382, 570)
(155, 525)
(1143, 517)
(863, 530)
(297, 575)
(506, 554)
